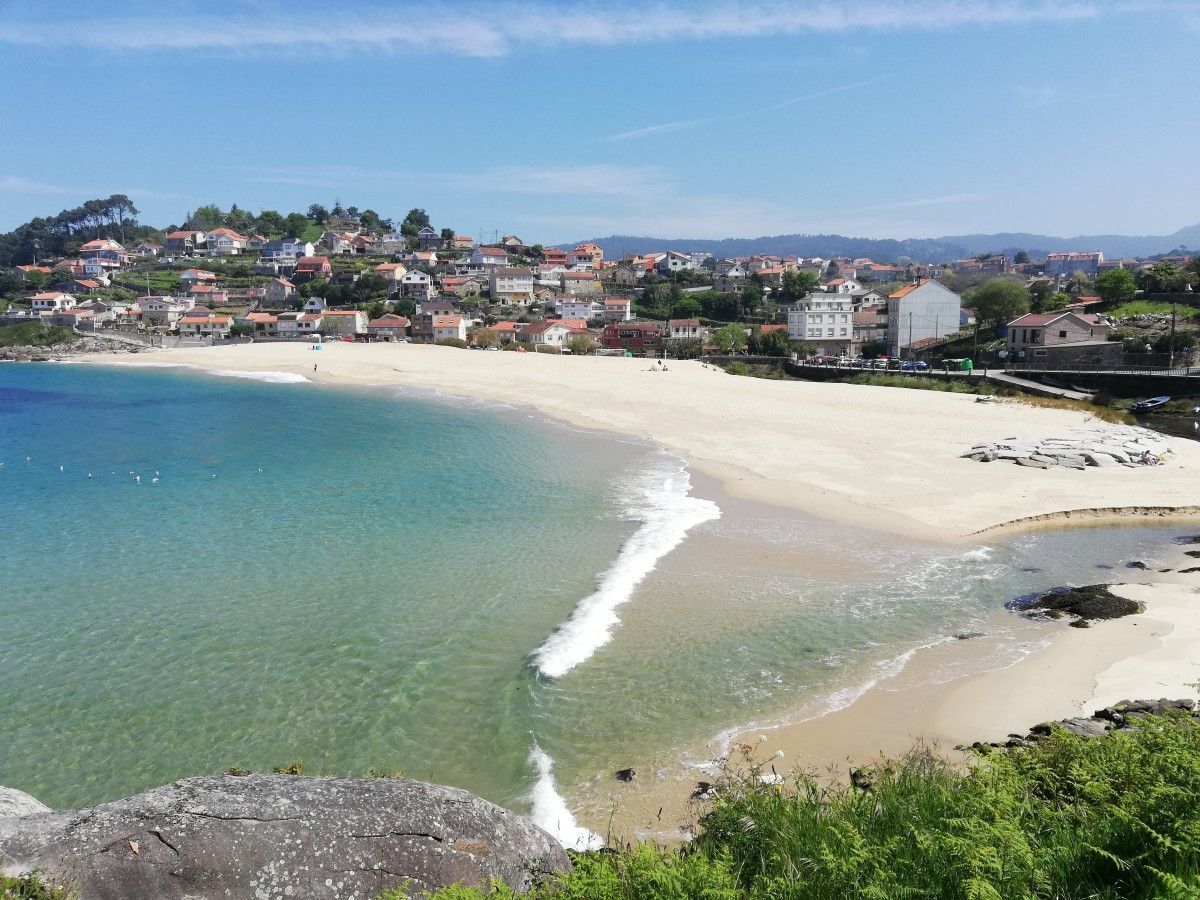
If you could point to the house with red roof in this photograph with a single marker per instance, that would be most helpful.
(638, 338)
(389, 327)
(310, 267)
(225, 242)
(1036, 331)
(205, 326)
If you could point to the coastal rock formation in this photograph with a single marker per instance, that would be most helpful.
(77, 347)
(1100, 448)
(19, 803)
(1118, 717)
(260, 836)
(1093, 601)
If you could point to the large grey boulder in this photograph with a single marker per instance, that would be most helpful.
(19, 803)
(276, 836)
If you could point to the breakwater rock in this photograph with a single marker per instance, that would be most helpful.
(1100, 448)
(1118, 717)
(1087, 603)
(275, 836)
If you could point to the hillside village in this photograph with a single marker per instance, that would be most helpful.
(350, 275)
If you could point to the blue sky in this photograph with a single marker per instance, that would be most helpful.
(571, 120)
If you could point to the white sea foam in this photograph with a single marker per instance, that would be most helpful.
(549, 810)
(271, 377)
(661, 502)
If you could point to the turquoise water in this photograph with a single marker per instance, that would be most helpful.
(376, 580)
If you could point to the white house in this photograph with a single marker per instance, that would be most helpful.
(297, 325)
(920, 311)
(512, 285)
(676, 262)
(616, 309)
(548, 333)
(225, 242)
(685, 329)
(824, 321)
(417, 284)
(51, 301)
(163, 311)
(447, 327)
(489, 256)
(315, 305)
(568, 306)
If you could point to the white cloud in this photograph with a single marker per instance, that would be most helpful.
(666, 127)
(484, 30)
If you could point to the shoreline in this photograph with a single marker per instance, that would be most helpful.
(753, 435)
(1077, 663)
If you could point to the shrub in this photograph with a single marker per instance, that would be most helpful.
(452, 342)
(296, 768)
(34, 334)
(1068, 817)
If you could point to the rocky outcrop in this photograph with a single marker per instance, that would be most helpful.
(1105, 447)
(79, 346)
(1088, 603)
(275, 836)
(19, 803)
(1118, 717)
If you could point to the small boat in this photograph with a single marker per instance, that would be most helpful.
(1145, 406)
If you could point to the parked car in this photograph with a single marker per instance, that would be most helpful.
(914, 365)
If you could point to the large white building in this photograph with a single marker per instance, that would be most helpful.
(823, 321)
(920, 311)
(512, 285)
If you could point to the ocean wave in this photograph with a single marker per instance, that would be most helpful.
(661, 501)
(549, 810)
(270, 377)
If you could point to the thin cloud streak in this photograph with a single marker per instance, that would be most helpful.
(490, 30)
(666, 127)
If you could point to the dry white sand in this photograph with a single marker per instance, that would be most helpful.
(882, 457)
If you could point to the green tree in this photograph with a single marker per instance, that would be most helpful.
(1056, 301)
(414, 221)
(752, 295)
(581, 344)
(798, 284)
(775, 343)
(1021, 258)
(999, 300)
(730, 338)
(687, 307)
(1162, 278)
(485, 337)
(1116, 286)
(207, 217)
(239, 220)
(448, 238)
(270, 223)
(296, 225)
(370, 221)
(36, 281)
(61, 274)
(318, 213)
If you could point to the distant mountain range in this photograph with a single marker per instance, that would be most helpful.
(943, 249)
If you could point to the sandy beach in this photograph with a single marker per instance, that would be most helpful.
(884, 458)
(880, 457)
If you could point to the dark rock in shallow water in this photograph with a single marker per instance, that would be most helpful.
(278, 835)
(1190, 571)
(1102, 566)
(625, 774)
(1136, 564)
(703, 789)
(968, 635)
(1030, 569)
(1094, 601)
(1192, 553)
(1188, 539)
